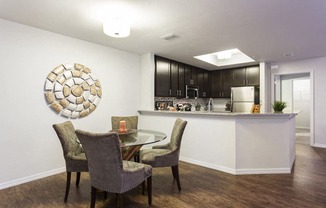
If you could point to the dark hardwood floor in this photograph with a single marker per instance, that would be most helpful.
(201, 187)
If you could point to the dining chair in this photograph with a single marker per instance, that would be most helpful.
(73, 153)
(131, 123)
(108, 172)
(167, 155)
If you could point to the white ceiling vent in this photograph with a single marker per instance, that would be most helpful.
(168, 36)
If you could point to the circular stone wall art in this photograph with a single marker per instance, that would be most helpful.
(72, 90)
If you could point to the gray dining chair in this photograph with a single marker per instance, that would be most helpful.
(73, 153)
(108, 172)
(167, 155)
(131, 123)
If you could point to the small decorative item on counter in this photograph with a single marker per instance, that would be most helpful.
(187, 106)
(122, 126)
(278, 106)
(228, 106)
(198, 106)
(179, 107)
(255, 108)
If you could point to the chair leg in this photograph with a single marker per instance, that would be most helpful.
(67, 186)
(143, 187)
(149, 189)
(93, 197)
(175, 171)
(77, 178)
(120, 200)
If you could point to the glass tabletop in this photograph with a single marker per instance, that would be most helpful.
(140, 137)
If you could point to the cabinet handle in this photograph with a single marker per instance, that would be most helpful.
(170, 92)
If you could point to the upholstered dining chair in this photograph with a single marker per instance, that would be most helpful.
(73, 153)
(167, 155)
(131, 123)
(108, 172)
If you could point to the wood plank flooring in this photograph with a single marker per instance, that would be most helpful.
(201, 187)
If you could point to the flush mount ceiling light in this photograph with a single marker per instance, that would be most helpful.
(116, 26)
(225, 58)
(116, 22)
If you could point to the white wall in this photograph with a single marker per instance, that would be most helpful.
(317, 69)
(29, 147)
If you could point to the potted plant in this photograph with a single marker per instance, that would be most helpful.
(278, 106)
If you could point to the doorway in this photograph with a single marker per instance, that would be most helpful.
(296, 91)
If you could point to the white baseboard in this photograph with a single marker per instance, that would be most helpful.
(320, 145)
(31, 178)
(237, 171)
(208, 165)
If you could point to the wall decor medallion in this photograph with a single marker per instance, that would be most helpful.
(72, 90)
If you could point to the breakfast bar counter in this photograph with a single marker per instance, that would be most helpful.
(236, 143)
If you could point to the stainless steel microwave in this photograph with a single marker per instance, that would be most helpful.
(192, 91)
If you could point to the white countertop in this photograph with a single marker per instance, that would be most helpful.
(220, 113)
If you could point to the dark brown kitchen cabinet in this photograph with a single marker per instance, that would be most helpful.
(227, 83)
(252, 76)
(222, 81)
(169, 78)
(203, 83)
(177, 79)
(217, 86)
(162, 77)
(191, 77)
(239, 77)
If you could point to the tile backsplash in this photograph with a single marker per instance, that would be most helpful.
(218, 103)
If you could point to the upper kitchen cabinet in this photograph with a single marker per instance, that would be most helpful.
(177, 79)
(252, 76)
(169, 78)
(162, 77)
(191, 75)
(217, 88)
(246, 76)
(203, 83)
(239, 77)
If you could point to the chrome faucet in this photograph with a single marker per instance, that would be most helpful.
(210, 104)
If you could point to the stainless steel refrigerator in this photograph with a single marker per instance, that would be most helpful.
(242, 99)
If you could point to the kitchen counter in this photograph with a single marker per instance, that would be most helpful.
(236, 143)
(219, 113)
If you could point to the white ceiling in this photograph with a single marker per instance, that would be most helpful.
(265, 30)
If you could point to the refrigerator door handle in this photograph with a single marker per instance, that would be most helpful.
(231, 107)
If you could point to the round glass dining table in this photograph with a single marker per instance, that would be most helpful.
(133, 139)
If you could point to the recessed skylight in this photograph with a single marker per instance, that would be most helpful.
(225, 58)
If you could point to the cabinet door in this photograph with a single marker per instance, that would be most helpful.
(188, 80)
(162, 77)
(239, 77)
(216, 89)
(227, 83)
(174, 75)
(252, 74)
(182, 87)
(200, 82)
(207, 84)
(194, 75)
